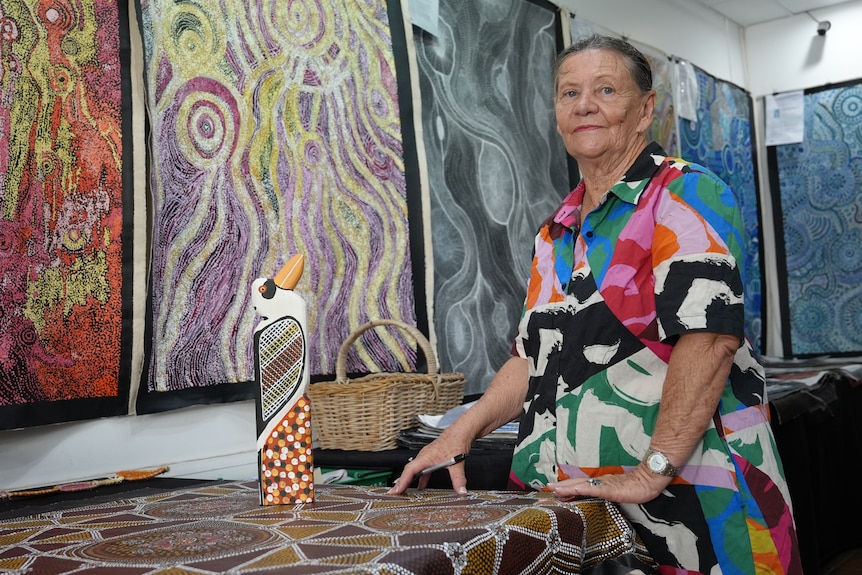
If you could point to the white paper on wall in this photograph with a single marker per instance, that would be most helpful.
(686, 95)
(425, 14)
(784, 118)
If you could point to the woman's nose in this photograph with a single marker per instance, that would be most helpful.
(583, 104)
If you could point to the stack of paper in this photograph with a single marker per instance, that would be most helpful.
(429, 427)
(785, 376)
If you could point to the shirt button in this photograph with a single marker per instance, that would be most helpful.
(589, 234)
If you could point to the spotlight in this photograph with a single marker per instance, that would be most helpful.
(823, 27)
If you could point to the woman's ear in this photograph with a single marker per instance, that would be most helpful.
(647, 111)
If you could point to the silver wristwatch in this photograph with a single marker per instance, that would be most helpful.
(657, 462)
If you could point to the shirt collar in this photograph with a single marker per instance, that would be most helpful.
(628, 189)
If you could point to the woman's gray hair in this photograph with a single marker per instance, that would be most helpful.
(636, 62)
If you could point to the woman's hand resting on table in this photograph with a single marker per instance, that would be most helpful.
(435, 452)
(637, 486)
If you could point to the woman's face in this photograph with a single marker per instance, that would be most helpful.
(600, 110)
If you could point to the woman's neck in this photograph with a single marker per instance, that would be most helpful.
(600, 174)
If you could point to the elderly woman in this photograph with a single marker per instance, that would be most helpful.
(630, 373)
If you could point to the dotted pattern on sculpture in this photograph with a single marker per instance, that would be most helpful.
(287, 465)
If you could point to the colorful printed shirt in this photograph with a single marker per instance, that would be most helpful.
(605, 303)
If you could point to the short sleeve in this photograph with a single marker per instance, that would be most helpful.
(695, 257)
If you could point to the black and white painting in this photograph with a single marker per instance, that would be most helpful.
(497, 168)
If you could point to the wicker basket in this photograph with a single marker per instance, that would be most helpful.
(366, 413)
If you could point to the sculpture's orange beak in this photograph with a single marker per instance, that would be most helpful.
(289, 275)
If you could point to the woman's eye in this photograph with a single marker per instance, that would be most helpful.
(607, 90)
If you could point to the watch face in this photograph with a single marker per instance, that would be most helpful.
(656, 462)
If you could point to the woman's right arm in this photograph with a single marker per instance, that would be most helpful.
(502, 402)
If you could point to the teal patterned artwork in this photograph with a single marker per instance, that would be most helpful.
(816, 192)
(721, 140)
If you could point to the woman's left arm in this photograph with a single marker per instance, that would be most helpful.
(697, 375)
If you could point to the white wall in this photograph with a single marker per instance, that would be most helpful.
(682, 28)
(206, 442)
(788, 54)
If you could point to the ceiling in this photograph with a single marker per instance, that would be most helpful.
(748, 12)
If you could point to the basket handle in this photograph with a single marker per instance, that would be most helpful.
(424, 344)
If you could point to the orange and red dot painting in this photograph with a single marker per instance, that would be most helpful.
(62, 209)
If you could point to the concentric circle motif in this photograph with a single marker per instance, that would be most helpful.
(70, 46)
(435, 518)
(304, 20)
(847, 108)
(192, 542)
(194, 37)
(48, 166)
(59, 16)
(313, 152)
(74, 238)
(850, 318)
(61, 80)
(846, 251)
(206, 127)
(27, 335)
(798, 245)
(811, 320)
(204, 507)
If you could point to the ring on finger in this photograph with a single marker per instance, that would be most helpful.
(593, 481)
